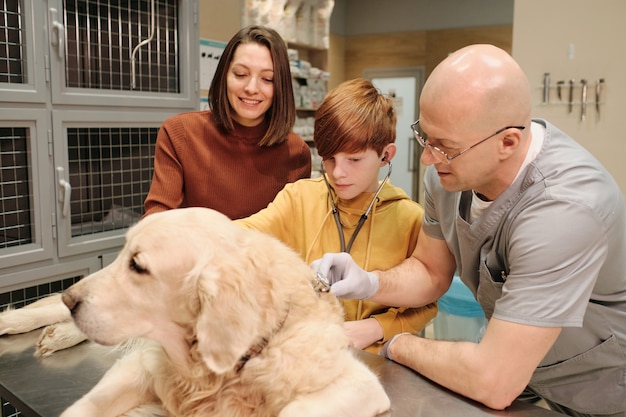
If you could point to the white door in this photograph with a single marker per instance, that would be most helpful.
(404, 86)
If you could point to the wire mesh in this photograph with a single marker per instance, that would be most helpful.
(110, 173)
(24, 296)
(15, 188)
(12, 47)
(101, 36)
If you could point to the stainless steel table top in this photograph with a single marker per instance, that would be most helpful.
(44, 387)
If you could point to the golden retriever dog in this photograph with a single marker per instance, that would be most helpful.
(228, 324)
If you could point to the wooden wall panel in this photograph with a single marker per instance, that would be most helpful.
(439, 43)
(407, 49)
(336, 60)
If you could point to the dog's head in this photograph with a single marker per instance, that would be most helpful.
(191, 275)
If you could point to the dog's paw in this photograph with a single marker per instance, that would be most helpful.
(33, 316)
(57, 337)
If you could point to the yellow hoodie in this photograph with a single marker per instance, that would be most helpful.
(301, 217)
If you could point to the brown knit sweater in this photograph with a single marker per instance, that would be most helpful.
(195, 165)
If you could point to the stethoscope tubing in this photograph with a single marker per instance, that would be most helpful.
(364, 216)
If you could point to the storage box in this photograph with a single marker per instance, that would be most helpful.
(460, 317)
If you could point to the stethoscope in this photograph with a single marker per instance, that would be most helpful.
(364, 216)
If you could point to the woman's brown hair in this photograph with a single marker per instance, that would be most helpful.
(281, 116)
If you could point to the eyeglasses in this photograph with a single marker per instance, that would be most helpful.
(442, 156)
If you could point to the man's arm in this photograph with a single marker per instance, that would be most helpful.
(493, 372)
(420, 279)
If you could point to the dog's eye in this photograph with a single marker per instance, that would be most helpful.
(136, 266)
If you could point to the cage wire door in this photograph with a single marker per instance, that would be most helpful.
(143, 52)
(117, 69)
(120, 48)
(119, 45)
(25, 232)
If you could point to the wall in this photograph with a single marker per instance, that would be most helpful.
(371, 34)
(439, 43)
(407, 49)
(542, 33)
(368, 17)
(219, 20)
(336, 60)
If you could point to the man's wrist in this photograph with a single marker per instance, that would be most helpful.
(374, 284)
(394, 346)
(386, 350)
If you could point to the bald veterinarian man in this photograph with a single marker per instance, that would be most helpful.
(533, 224)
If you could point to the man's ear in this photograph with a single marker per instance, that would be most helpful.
(510, 143)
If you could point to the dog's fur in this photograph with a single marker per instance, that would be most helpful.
(49, 312)
(239, 329)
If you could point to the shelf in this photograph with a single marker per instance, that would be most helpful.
(565, 103)
(296, 45)
(318, 57)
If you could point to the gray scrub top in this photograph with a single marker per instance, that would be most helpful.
(550, 251)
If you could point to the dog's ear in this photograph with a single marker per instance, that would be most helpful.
(229, 320)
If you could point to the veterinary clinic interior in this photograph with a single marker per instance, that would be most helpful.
(86, 84)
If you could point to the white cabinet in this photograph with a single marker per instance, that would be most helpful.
(78, 124)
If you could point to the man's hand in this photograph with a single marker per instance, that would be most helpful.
(346, 278)
(385, 351)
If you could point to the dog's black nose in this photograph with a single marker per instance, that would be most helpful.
(69, 300)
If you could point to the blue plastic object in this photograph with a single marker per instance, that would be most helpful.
(459, 301)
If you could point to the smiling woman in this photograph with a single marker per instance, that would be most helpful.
(235, 157)
(250, 84)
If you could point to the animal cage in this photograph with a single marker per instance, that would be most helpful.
(102, 35)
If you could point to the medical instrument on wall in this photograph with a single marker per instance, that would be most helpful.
(573, 89)
(364, 216)
(583, 100)
(599, 83)
(546, 87)
(559, 87)
(570, 98)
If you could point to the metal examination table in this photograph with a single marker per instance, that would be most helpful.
(44, 387)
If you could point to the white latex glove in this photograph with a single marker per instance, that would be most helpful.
(385, 351)
(346, 278)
